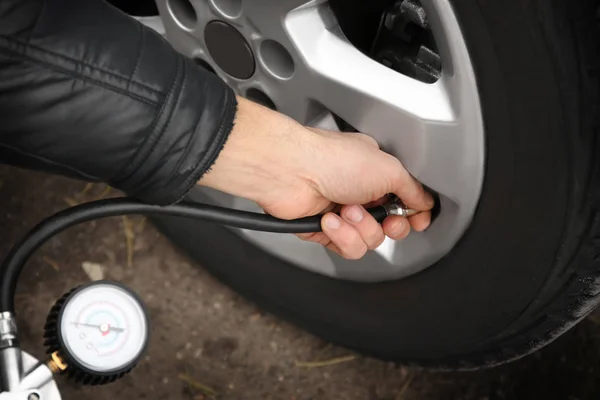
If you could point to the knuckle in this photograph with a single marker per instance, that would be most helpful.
(371, 141)
(405, 232)
(375, 239)
(400, 235)
(351, 245)
(348, 238)
(378, 242)
(397, 237)
(367, 139)
(355, 253)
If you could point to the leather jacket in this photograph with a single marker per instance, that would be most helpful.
(88, 92)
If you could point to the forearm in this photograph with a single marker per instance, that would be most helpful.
(88, 92)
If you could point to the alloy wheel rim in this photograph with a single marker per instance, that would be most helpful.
(304, 65)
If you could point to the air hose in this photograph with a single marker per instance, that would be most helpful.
(18, 256)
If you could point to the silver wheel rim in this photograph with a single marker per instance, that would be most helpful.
(306, 66)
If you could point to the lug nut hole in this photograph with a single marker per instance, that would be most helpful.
(276, 59)
(184, 13)
(229, 8)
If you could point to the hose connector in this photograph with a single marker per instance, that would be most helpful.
(8, 330)
(398, 208)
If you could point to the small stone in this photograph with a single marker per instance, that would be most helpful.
(179, 355)
(198, 353)
(94, 271)
(217, 306)
(165, 380)
(188, 346)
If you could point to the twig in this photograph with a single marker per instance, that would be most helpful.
(197, 385)
(325, 363)
(104, 193)
(70, 201)
(51, 263)
(141, 224)
(404, 387)
(87, 188)
(130, 237)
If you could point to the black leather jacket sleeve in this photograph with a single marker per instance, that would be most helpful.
(88, 92)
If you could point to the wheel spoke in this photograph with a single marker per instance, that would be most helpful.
(410, 119)
(269, 16)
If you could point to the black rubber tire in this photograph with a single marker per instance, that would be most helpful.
(529, 266)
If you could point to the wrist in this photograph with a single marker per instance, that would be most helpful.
(264, 148)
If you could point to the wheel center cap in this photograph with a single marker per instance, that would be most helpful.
(229, 49)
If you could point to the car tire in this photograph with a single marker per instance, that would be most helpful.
(528, 268)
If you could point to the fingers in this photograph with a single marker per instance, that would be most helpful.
(352, 233)
(396, 227)
(369, 230)
(421, 221)
(344, 236)
(411, 192)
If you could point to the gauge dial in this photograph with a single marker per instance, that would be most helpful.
(100, 328)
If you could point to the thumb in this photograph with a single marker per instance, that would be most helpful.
(411, 192)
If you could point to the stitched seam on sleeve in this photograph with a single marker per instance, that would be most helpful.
(113, 74)
(154, 136)
(48, 161)
(169, 119)
(78, 76)
(188, 146)
(139, 56)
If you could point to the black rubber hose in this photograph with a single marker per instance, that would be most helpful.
(18, 256)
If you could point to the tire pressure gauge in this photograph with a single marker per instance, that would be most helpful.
(97, 332)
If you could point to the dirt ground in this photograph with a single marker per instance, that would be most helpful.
(210, 343)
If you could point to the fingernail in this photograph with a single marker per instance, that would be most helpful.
(332, 222)
(398, 229)
(354, 214)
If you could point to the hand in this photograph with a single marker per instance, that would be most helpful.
(292, 171)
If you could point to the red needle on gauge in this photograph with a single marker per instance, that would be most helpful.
(104, 328)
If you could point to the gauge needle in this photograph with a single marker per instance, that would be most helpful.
(104, 327)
